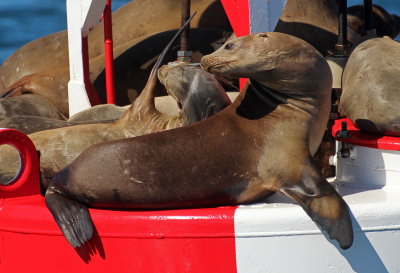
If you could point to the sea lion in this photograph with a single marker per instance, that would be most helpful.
(58, 147)
(370, 87)
(315, 21)
(384, 23)
(258, 145)
(41, 66)
(28, 105)
(189, 83)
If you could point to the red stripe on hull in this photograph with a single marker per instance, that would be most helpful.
(193, 240)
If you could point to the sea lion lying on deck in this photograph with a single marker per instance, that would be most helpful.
(370, 87)
(260, 144)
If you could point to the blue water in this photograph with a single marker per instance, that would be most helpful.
(22, 21)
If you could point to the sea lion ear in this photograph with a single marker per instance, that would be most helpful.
(265, 34)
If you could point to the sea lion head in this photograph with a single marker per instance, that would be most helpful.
(290, 66)
(196, 91)
(277, 60)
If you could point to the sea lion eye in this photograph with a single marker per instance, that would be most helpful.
(229, 46)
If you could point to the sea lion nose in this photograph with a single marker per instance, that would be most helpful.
(207, 62)
(204, 63)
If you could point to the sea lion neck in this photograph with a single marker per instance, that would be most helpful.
(259, 100)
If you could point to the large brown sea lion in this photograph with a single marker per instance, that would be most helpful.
(41, 66)
(315, 21)
(58, 147)
(370, 87)
(384, 23)
(258, 145)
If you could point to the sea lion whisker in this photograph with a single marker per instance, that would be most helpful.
(227, 82)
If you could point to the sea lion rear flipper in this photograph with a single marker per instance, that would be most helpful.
(323, 204)
(72, 217)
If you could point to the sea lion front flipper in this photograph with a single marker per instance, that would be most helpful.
(72, 217)
(323, 204)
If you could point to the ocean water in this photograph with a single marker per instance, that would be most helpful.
(22, 21)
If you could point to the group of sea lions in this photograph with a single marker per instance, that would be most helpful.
(239, 153)
(58, 147)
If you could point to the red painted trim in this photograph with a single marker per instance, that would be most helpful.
(108, 51)
(238, 15)
(363, 139)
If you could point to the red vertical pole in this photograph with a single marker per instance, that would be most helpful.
(108, 54)
(90, 91)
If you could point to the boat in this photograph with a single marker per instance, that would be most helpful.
(273, 236)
